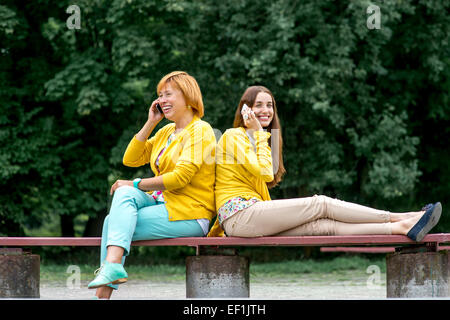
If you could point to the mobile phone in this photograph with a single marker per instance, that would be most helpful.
(244, 111)
(159, 108)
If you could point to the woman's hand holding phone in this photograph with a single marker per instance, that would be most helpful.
(155, 115)
(250, 120)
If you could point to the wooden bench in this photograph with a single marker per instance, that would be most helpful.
(414, 269)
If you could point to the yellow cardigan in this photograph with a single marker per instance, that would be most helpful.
(240, 171)
(187, 167)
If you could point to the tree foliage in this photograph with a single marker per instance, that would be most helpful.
(364, 112)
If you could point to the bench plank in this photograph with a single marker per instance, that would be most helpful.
(369, 249)
(234, 241)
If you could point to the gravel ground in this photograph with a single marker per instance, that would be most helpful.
(301, 287)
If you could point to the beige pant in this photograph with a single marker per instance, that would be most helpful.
(317, 215)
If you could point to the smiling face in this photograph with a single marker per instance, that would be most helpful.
(172, 102)
(263, 109)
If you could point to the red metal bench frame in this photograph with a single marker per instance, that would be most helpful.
(369, 249)
(356, 240)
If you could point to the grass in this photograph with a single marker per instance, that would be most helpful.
(348, 270)
(340, 268)
(60, 273)
(354, 263)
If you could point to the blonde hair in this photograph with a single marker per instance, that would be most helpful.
(188, 86)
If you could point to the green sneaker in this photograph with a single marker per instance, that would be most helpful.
(109, 273)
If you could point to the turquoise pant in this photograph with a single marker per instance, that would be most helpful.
(135, 215)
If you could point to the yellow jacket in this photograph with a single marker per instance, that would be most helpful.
(240, 171)
(187, 167)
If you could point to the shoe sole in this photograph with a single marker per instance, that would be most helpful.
(434, 219)
(118, 281)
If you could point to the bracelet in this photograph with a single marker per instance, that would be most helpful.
(136, 182)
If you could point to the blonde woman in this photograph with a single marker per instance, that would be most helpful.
(177, 201)
(249, 162)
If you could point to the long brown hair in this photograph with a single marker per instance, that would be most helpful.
(249, 98)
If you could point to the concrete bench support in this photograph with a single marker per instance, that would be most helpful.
(418, 275)
(220, 274)
(217, 276)
(19, 274)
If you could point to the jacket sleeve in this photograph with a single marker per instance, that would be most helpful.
(196, 148)
(240, 151)
(138, 152)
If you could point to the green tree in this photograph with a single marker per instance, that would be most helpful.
(351, 99)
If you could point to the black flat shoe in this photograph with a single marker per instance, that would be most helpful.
(429, 219)
(426, 207)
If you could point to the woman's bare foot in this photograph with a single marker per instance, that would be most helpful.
(403, 226)
(419, 226)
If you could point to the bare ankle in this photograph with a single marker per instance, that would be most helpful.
(397, 217)
(398, 227)
(104, 292)
(114, 254)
